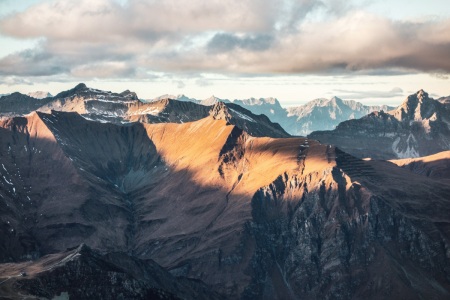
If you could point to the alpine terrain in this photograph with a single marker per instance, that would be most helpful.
(105, 196)
(319, 114)
(420, 126)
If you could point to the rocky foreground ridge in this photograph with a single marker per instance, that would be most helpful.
(251, 217)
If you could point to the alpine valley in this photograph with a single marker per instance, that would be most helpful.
(106, 196)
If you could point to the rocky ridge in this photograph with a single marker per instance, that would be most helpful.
(108, 107)
(82, 273)
(252, 217)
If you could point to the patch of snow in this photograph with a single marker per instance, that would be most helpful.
(241, 115)
(10, 183)
(150, 111)
(410, 151)
(39, 94)
(92, 120)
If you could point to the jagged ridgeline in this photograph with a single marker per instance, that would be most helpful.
(418, 127)
(209, 202)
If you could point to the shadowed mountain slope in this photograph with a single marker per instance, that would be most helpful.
(82, 273)
(252, 217)
(435, 166)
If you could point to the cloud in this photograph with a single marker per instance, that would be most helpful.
(347, 94)
(440, 76)
(110, 38)
(180, 84)
(203, 82)
(103, 70)
(13, 80)
(109, 20)
(225, 42)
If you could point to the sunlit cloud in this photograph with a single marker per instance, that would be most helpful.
(126, 40)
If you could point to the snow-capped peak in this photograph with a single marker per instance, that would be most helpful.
(39, 94)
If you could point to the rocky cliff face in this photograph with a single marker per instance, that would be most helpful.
(418, 127)
(252, 217)
(82, 273)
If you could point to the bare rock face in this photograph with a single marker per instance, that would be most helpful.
(167, 111)
(82, 273)
(255, 125)
(418, 127)
(252, 217)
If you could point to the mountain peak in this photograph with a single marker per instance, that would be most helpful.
(417, 106)
(421, 94)
(80, 86)
(40, 94)
(212, 101)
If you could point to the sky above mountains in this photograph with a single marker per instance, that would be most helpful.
(370, 51)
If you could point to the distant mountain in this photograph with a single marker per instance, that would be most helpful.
(213, 100)
(104, 106)
(445, 101)
(271, 108)
(319, 114)
(255, 125)
(173, 111)
(166, 111)
(180, 97)
(418, 127)
(40, 95)
(18, 104)
(326, 114)
(126, 107)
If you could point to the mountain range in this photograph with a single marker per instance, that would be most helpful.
(418, 127)
(172, 199)
(319, 114)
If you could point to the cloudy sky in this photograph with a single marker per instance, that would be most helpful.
(373, 51)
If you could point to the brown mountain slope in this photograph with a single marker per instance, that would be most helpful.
(252, 217)
(435, 166)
